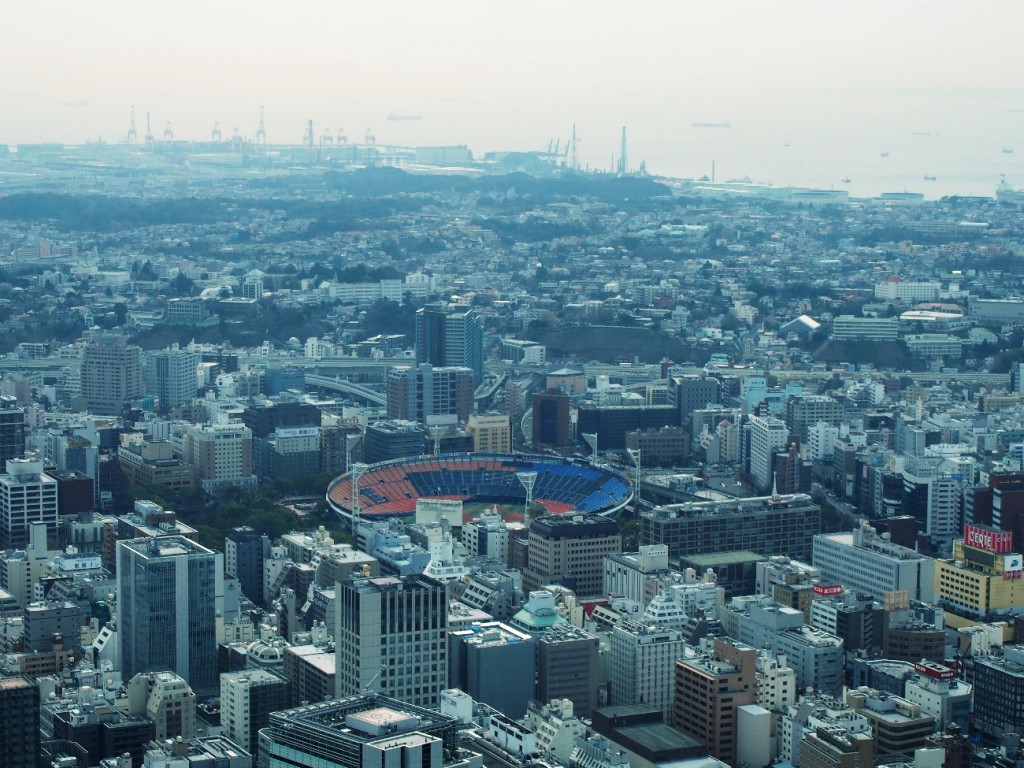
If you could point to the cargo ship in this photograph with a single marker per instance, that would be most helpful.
(720, 124)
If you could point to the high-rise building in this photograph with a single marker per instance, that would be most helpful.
(569, 550)
(246, 701)
(641, 664)
(690, 393)
(450, 336)
(170, 592)
(551, 422)
(493, 663)
(392, 637)
(19, 713)
(567, 667)
(393, 439)
(804, 411)
(172, 376)
(414, 393)
(111, 374)
(244, 553)
(168, 700)
(27, 495)
(709, 689)
(766, 436)
(832, 746)
(12, 429)
(221, 455)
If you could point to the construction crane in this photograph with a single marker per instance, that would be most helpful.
(215, 133)
(326, 138)
(149, 133)
(133, 135)
(308, 137)
(168, 133)
(371, 138)
(342, 137)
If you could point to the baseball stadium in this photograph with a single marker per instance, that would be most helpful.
(482, 480)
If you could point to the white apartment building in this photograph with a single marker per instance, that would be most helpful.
(767, 436)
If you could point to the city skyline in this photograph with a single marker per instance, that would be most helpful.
(825, 80)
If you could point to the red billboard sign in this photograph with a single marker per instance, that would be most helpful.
(936, 671)
(988, 539)
(828, 590)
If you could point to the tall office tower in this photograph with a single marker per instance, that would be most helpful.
(111, 374)
(12, 429)
(246, 701)
(708, 692)
(221, 454)
(551, 418)
(392, 638)
(172, 376)
(244, 553)
(689, 393)
(767, 436)
(19, 713)
(567, 667)
(27, 495)
(643, 658)
(170, 593)
(450, 336)
(426, 390)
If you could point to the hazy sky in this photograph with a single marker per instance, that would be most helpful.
(493, 75)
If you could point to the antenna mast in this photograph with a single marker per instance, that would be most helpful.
(623, 162)
(261, 134)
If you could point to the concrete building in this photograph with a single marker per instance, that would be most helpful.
(171, 376)
(167, 700)
(556, 727)
(661, 447)
(551, 418)
(111, 374)
(804, 411)
(27, 495)
(491, 662)
(387, 440)
(611, 423)
(636, 575)
(850, 328)
(982, 581)
(898, 726)
(567, 667)
(170, 595)
(414, 393)
(492, 433)
(940, 694)
(770, 525)
(360, 731)
(12, 429)
(832, 746)
(765, 436)
(690, 393)
(569, 550)
(817, 658)
(642, 660)
(19, 713)
(709, 688)
(866, 562)
(486, 536)
(244, 553)
(999, 694)
(392, 633)
(221, 455)
(246, 701)
(450, 336)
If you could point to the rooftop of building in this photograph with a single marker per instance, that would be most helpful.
(152, 547)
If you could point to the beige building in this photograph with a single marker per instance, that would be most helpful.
(491, 433)
(221, 455)
(570, 550)
(978, 583)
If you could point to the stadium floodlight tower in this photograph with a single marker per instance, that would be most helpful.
(634, 454)
(355, 473)
(350, 441)
(590, 438)
(527, 479)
